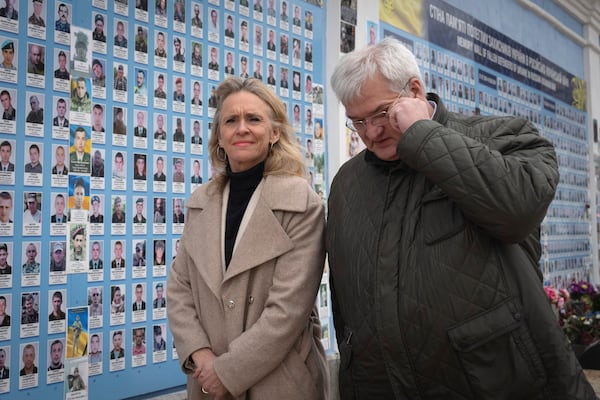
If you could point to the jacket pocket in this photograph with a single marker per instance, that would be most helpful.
(441, 218)
(498, 354)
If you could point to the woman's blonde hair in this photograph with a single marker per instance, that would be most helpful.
(284, 156)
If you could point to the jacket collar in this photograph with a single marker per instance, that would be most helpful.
(441, 113)
(263, 239)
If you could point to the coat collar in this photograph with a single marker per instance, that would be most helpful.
(264, 238)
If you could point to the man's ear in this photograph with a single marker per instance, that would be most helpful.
(416, 88)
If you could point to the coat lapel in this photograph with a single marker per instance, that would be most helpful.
(202, 239)
(263, 240)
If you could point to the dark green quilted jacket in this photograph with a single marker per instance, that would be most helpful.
(433, 262)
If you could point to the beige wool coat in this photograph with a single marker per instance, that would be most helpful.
(258, 316)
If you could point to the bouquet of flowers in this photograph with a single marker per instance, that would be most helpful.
(558, 299)
(577, 310)
(582, 330)
(583, 291)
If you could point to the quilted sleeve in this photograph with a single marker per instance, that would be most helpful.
(502, 175)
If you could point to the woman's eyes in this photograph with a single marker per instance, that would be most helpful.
(249, 119)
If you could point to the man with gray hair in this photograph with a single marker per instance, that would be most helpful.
(433, 237)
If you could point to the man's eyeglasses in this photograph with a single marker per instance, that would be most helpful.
(95, 294)
(379, 118)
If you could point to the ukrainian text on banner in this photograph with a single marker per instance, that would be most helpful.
(457, 31)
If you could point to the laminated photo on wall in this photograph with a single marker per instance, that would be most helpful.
(34, 121)
(117, 304)
(81, 51)
(62, 22)
(81, 101)
(198, 15)
(79, 194)
(159, 343)
(96, 263)
(60, 167)
(77, 249)
(95, 354)
(9, 18)
(99, 32)
(57, 299)
(117, 350)
(6, 213)
(140, 90)
(118, 215)
(140, 183)
(7, 162)
(159, 183)
(76, 379)
(58, 217)
(56, 360)
(28, 373)
(77, 332)
(120, 82)
(141, 45)
(120, 48)
(5, 369)
(98, 125)
(159, 216)
(159, 263)
(98, 78)
(36, 23)
(119, 171)
(5, 315)
(117, 265)
(138, 347)
(8, 66)
(141, 10)
(8, 99)
(57, 272)
(119, 132)
(80, 159)
(140, 131)
(95, 301)
(160, 13)
(31, 269)
(159, 302)
(139, 219)
(138, 304)
(30, 314)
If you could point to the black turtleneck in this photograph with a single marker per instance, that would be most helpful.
(241, 187)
